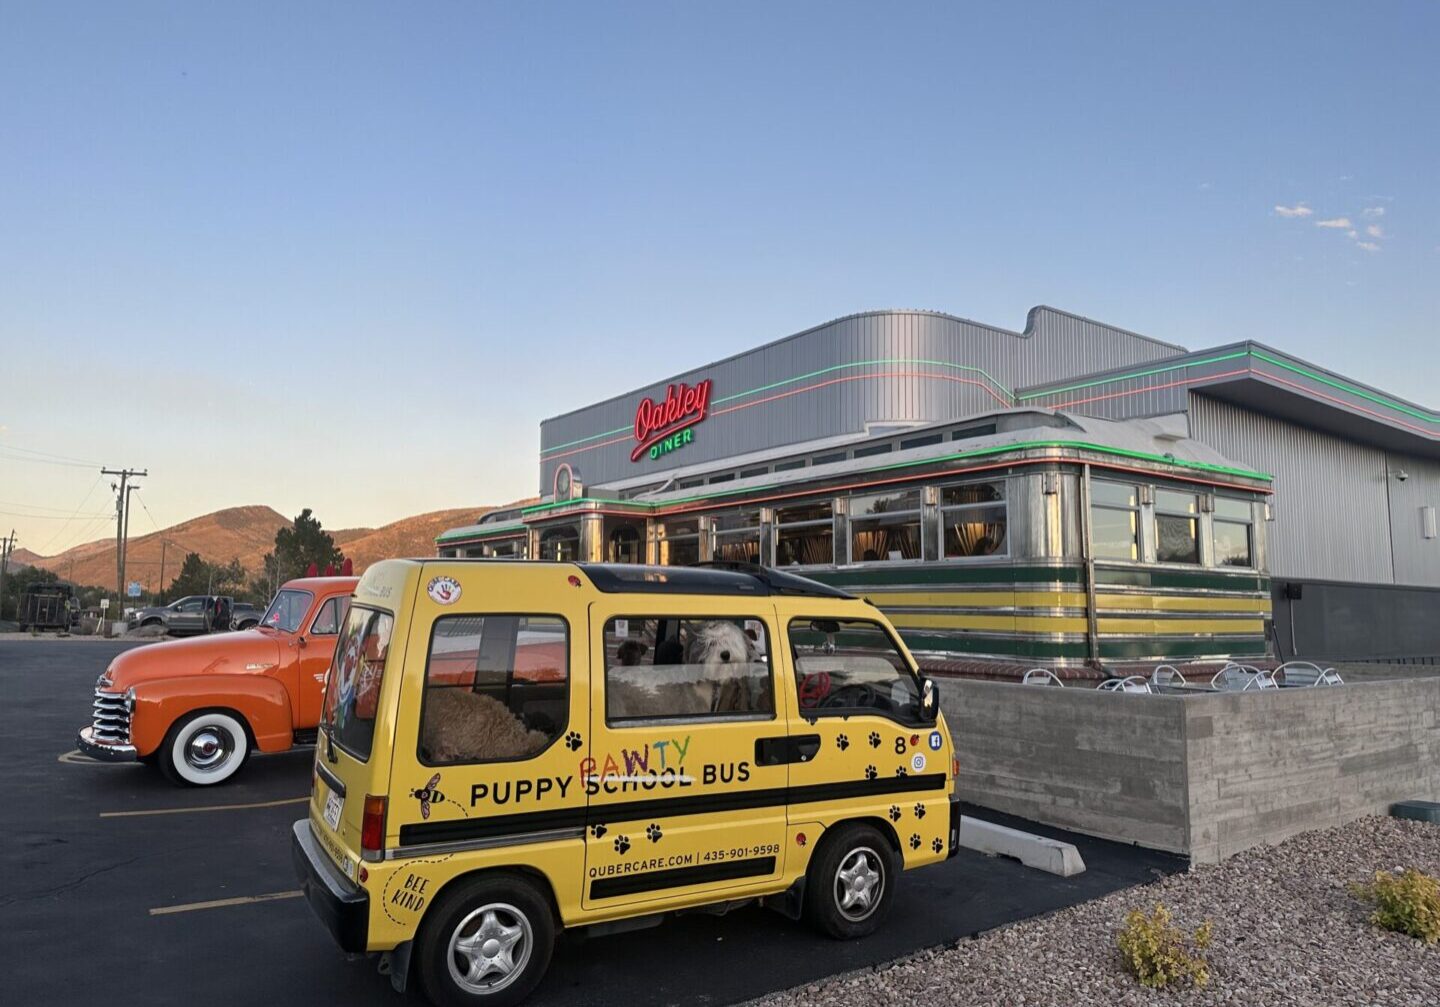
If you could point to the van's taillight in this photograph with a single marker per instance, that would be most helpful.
(372, 825)
(954, 765)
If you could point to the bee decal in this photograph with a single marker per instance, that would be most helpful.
(428, 795)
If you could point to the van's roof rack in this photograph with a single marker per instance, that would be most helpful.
(718, 577)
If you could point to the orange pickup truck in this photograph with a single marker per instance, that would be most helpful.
(197, 708)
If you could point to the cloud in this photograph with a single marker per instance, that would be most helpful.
(1375, 231)
(1369, 246)
(1206, 186)
(1298, 210)
(1341, 223)
(1352, 234)
(1374, 211)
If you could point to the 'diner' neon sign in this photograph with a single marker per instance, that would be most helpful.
(661, 427)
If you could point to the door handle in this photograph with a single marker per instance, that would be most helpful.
(786, 749)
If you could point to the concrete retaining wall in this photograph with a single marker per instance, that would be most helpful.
(1205, 775)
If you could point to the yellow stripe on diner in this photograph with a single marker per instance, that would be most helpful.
(1173, 627)
(1170, 603)
(978, 599)
(1000, 623)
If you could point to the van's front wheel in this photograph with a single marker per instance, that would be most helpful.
(487, 941)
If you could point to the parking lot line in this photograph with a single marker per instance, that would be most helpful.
(208, 807)
(242, 900)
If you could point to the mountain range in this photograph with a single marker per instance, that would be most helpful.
(243, 533)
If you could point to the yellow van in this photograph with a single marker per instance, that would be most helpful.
(507, 749)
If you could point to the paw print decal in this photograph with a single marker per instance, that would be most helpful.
(919, 811)
(653, 833)
(622, 843)
(894, 812)
(914, 840)
(871, 772)
(842, 742)
(937, 845)
(598, 831)
(901, 771)
(573, 740)
(874, 739)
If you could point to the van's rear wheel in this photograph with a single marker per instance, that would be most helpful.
(204, 749)
(487, 941)
(851, 882)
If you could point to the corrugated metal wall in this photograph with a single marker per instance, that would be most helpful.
(906, 366)
(1417, 559)
(1330, 506)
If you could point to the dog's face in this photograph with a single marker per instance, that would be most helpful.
(631, 652)
(717, 643)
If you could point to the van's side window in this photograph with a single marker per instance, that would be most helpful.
(848, 666)
(496, 688)
(687, 667)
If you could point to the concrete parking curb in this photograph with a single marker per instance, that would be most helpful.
(1049, 855)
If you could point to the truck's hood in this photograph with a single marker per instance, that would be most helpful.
(251, 652)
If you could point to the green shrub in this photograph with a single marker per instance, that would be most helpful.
(1407, 903)
(1157, 953)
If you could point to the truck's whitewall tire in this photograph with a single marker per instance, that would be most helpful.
(204, 749)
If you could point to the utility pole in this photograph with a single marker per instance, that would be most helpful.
(122, 523)
(163, 544)
(5, 550)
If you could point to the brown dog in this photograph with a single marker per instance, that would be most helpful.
(464, 726)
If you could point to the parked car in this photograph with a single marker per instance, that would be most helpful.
(183, 617)
(48, 606)
(507, 750)
(244, 615)
(197, 708)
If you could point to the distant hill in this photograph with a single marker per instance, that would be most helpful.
(243, 533)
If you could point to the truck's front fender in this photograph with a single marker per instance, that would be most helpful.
(263, 702)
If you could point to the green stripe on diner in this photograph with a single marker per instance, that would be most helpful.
(1398, 407)
(1199, 580)
(1130, 376)
(883, 362)
(953, 574)
(1136, 649)
(480, 531)
(1015, 647)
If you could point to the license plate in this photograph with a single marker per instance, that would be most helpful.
(334, 804)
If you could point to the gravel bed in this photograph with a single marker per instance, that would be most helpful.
(1286, 931)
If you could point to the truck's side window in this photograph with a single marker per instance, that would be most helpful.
(849, 666)
(496, 688)
(691, 668)
(328, 619)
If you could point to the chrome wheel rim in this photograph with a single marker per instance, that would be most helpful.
(209, 748)
(490, 948)
(859, 884)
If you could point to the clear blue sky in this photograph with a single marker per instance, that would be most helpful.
(375, 244)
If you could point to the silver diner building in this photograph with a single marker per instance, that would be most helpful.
(1069, 494)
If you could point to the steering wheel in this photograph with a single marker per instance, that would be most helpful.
(855, 695)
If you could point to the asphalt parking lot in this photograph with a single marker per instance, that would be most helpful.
(121, 889)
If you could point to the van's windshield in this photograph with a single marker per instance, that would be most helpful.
(353, 691)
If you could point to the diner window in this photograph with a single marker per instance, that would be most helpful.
(1115, 520)
(874, 449)
(687, 668)
(496, 688)
(752, 473)
(1177, 527)
(511, 549)
(625, 544)
(737, 536)
(804, 536)
(1234, 532)
(799, 463)
(727, 477)
(852, 666)
(975, 520)
(838, 456)
(984, 430)
(680, 542)
(561, 545)
(885, 527)
(920, 442)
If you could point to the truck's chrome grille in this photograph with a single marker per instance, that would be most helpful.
(112, 718)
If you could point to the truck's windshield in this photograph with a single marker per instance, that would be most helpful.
(287, 611)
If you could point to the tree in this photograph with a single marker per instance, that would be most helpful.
(297, 547)
(194, 577)
(17, 579)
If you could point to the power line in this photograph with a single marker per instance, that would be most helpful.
(42, 461)
(83, 501)
(48, 454)
(52, 517)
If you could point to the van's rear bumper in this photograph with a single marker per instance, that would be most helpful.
(342, 906)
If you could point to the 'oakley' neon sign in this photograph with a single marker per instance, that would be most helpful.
(658, 422)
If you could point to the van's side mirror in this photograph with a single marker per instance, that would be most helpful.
(929, 698)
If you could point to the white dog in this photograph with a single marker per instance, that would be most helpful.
(699, 686)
